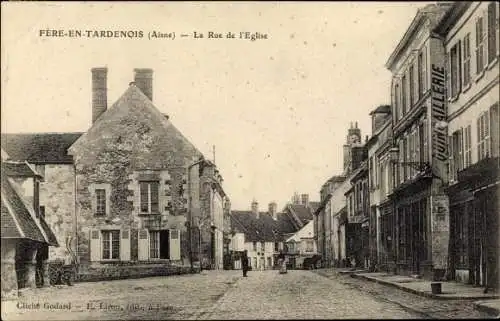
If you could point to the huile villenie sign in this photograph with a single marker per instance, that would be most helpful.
(438, 116)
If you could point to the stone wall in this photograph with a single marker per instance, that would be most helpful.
(131, 139)
(57, 196)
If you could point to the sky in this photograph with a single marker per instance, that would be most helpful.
(276, 109)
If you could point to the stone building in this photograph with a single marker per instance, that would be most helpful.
(131, 190)
(380, 185)
(48, 154)
(263, 234)
(357, 227)
(471, 39)
(26, 236)
(418, 101)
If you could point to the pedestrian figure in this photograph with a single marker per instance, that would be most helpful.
(282, 262)
(244, 263)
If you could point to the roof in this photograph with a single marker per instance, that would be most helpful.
(264, 228)
(39, 148)
(421, 16)
(303, 213)
(383, 109)
(121, 114)
(18, 169)
(17, 221)
(451, 17)
(314, 206)
(51, 238)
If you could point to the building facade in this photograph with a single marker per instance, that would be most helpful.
(471, 38)
(380, 185)
(131, 190)
(26, 236)
(357, 227)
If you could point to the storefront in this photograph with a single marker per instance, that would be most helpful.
(474, 224)
(386, 250)
(412, 227)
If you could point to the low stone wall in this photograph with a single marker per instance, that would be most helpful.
(117, 272)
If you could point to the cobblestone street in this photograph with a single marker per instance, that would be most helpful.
(227, 295)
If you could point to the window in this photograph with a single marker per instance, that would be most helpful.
(255, 246)
(492, 33)
(154, 244)
(397, 104)
(455, 69)
(466, 60)
(262, 246)
(100, 195)
(483, 134)
(480, 45)
(276, 247)
(403, 96)
(422, 72)
(467, 147)
(495, 130)
(457, 141)
(309, 245)
(412, 86)
(149, 197)
(111, 245)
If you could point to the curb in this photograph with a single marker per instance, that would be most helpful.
(420, 293)
(479, 306)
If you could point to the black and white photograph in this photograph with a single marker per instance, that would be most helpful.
(250, 160)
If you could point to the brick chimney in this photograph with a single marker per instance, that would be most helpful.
(143, 78)
(99, 92)
(304, 199)
(273, 210)
(255, 208)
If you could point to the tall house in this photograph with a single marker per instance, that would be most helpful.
(418, 100)
(471, 37)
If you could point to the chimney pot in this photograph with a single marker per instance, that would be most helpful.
(305, 199)
(255, 208)
(99, 92)
(143, 78)
(273, 210)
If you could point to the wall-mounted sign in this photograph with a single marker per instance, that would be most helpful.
(438, 116)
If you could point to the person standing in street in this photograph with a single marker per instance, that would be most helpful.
(282, 262)
(244, 263)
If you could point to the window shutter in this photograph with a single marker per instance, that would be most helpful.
(459, 66)
(485, 38)
(143, 245)
(95, 245)
(125, 245)
(495, 130)
(451, 168)
(175, 245)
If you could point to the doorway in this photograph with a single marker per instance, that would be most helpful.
(164, 244)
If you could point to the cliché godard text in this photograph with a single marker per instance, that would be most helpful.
(89, 306)
(139, 34)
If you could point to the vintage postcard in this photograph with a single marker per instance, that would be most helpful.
(250, 160)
